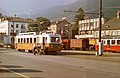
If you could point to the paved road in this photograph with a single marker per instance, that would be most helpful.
(26, 65)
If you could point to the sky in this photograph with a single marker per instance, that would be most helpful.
(10, 7)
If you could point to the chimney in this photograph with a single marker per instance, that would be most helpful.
(57, 21)
(14, 15)
(118, 14)
(64, 18)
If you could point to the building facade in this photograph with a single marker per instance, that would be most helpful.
(10, 27)
(62, 27)
(90, 28)
(86, 26)
(111, 28)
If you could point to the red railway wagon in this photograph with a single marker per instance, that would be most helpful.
(110, 45)
(82, 44)
(65, 44)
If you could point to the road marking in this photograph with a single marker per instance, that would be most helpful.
(15, 72)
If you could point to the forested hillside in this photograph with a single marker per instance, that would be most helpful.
(110, 8)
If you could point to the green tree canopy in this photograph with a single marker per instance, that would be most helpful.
(1, 15)
(79, 16)
(40, 24)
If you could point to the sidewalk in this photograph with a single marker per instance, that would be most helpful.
(90, 55)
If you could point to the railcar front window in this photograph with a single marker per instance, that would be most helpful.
(55, 39)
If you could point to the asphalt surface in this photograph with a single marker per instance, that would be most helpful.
(91, 55)
(68, 64)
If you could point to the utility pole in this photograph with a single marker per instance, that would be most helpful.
(13, 30)
(100, 52)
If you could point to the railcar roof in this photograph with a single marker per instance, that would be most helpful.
(26, 36)
(33, 36)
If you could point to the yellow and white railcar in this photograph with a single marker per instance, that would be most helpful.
(46, 41)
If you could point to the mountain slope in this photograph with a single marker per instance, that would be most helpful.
(58, 12)
(110, 9)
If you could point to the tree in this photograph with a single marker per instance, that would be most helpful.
(40, 24)
(79, 16)
(33, 27)
(1, 15)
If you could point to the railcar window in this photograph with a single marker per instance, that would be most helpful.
(103, 41)
(108, 42)
(55, 39)
(27, 40)
(34, 40)
(18, 40)
(30, 40)
(24, 40)
(118, 41)
(21, 40)
(45, 39)
(113, 42)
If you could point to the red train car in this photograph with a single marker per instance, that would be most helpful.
(65, 44)
(82, 44)
(110, 45)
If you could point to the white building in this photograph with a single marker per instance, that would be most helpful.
(110, 28)
(87, 26)
(12, 25)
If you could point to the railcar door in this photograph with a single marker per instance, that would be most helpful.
(43, 42)
(108, 43)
